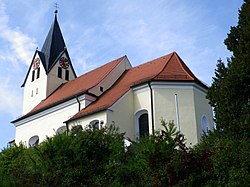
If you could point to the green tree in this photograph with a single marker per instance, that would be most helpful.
(83, 158)
(16, 167)
(224, 161)
(154, 160)
(230, 90)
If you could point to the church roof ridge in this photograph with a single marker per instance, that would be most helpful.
(139, 75)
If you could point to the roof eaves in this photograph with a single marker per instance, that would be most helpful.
(29, 69)
(190, 73)
(184, 66)
(75, 117)
(53, 104)
(41, 55)
(67, 54)
(101, 108)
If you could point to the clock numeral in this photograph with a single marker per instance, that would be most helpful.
(64, 63)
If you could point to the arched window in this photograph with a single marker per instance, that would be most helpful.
(94, 125)
(205, 127)
(33, 141)
(76, 129)
(61, 130)
(141, 123)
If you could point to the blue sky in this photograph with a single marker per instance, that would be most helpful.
(99, 31)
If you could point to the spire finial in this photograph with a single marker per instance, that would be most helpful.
(56, 8)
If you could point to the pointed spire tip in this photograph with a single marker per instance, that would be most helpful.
(56, 8)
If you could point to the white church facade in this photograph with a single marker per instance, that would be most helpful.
(134, 99)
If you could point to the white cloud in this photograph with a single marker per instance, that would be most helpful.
(153, 29)
(3, 17)
(16, 50)
(10, 101)
(21, 45)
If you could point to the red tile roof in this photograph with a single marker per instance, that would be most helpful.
(175, 69)
(75, 87)
(168, 68)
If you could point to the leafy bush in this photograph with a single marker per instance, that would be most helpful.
(15, 167)
(99, 158)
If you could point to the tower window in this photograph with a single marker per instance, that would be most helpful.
(67, 75)
(31, 93)
(38, 73)
(33, 76)
(36, 90)
(101, 88)
(59, 72)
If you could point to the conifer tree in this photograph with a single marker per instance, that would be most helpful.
(230, 90)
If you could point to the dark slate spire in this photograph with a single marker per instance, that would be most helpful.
(53, 45)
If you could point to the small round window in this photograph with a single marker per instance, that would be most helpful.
(33, 141)
(61, 130)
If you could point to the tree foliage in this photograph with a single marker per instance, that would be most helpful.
(99, 158)
(230, 90)
(95, 157)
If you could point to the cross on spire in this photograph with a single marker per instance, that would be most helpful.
(56, 8)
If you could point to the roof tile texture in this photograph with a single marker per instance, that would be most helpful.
(169, 67)
(166, 68)
(78, 86)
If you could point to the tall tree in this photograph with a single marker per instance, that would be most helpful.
(230, 90)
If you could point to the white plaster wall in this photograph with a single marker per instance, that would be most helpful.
(202, 108)
(85, 100)
(108, 81)
(38, 86)
(43, 86)
(46, 125)
(165, 108)
(142, 101)
(121, 114)
(54, 81)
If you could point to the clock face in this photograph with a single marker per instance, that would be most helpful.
(36, 63)
(64, 62)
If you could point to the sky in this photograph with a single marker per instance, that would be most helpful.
(99, 31)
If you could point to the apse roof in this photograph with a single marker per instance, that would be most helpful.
(166, 68)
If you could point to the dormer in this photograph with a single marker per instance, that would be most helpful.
(111, 77)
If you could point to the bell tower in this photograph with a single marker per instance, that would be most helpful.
(49, 68)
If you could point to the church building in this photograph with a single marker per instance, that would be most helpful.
(134, 99)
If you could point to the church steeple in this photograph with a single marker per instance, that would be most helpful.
(54, 45)
(49, 68)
